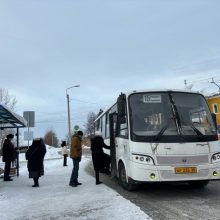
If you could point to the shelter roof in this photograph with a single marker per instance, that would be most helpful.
(9, 119)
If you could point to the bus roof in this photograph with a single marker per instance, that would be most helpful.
(157, 90)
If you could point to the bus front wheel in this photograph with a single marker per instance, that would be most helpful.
(123, 178)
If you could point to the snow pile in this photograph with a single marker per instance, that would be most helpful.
(52, 153)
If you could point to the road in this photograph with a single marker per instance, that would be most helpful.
(171, 201)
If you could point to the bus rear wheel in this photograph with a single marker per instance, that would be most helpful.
(123, 178)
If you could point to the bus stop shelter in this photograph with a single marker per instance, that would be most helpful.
(9, 119)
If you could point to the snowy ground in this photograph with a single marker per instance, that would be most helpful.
(55, 199)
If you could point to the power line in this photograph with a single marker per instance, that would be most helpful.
(94, 103)
(215, 84)
(55, 122)
(200, 80)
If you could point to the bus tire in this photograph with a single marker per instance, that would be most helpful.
(123, 178)
(198, 183)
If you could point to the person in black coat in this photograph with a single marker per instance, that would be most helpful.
(9, 153)
(35, 156)
(99, 158)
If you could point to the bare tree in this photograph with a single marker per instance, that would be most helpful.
(90, 126)
(10, 102)
(7, 99)
(50, 138)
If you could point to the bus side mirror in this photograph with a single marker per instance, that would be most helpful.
(214, 119)
(121, 119)
(121, 105)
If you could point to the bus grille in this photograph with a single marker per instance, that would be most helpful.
(182, 160)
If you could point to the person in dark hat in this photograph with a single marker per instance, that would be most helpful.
(9, 152)
(101, 161)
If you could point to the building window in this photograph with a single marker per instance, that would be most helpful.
(215, 108)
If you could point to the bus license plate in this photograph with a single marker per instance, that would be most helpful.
(182, 170)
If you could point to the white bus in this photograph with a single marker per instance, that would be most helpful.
(161, 135)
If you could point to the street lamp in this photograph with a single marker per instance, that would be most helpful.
(68, 110)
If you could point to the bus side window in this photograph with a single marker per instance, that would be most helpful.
(107, 133)
(103, 126)
(123, 128)
(97, 125)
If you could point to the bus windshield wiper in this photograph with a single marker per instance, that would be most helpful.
(163, 129)
(175, 114)
(198, 132)
(160, 133)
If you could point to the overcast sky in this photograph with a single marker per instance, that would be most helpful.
(107, 47)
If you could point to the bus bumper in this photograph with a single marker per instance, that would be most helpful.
(150, 173)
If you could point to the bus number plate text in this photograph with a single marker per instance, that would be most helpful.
(182, 170)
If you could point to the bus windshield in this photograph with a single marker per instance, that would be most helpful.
(170, 117)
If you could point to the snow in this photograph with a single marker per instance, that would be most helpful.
(55, 199)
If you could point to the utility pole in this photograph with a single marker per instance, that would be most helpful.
(185, 83)
(215, 84)
(68, 111)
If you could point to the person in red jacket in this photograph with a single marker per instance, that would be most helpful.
(9, 153)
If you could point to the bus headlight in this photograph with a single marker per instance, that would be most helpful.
(216, 158)
(145, 159)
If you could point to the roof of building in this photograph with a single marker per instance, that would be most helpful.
(216, 95)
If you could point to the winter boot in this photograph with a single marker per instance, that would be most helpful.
(36, 184)
(97, 178)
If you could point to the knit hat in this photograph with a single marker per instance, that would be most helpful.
(10, 136)
(98, 133)
(63, 143)
(80, 133)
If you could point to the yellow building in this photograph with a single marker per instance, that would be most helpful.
(214, 105)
